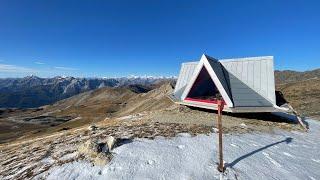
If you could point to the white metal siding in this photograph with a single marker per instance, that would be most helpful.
(251, 81)
(186, 72)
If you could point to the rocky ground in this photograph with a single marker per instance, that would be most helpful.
(251, 156)
(24, 159)
(35, 146)
(28, 158)
(232, 123)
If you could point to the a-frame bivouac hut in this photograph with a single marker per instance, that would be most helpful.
(245, 84)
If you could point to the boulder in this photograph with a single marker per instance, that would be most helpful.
(92, 127)
(89, 148)
(243, 125)
(98, 151)
(110, 141)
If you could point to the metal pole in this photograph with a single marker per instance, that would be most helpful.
(220, 107)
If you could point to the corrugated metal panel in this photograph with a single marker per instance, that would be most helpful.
(251, 80)
(185, 75)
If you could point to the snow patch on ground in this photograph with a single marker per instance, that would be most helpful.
(47, 160)
(282, 155)
(69, 156)
(243, 125)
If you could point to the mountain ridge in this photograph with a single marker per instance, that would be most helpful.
(33, 91)
(287, 76)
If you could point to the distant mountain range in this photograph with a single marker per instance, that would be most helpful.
(33, 91)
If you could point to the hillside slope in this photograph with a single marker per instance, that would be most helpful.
(304, 96)
(288, 76)
(85, 108)
(301, 90)
(109, 102)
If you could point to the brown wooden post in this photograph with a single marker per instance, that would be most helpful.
(220, 107)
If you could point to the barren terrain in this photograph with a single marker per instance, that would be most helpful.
(49, 137)
(107, 103)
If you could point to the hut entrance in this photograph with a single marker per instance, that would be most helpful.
(203, 89)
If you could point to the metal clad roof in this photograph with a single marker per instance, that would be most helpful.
(251, 80)
(185, 75)
(220, 74)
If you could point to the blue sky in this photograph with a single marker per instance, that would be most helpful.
(120, 38)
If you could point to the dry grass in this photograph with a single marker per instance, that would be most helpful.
(96, 106)
(33, 155)
(304, 96)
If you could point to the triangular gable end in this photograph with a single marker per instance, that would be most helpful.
(204, 63)
(203, 89)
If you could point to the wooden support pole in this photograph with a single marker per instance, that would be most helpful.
(220, 107)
